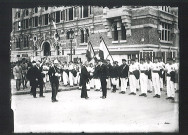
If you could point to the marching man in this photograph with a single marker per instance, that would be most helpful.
(155, 78)
(143, 67)
(170, 70)
(133, 75)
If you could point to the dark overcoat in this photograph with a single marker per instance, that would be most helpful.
(84, 77)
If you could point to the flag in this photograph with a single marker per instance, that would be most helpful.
(90, 52)
(104, 52)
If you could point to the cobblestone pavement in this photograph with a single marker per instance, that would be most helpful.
(116, 113)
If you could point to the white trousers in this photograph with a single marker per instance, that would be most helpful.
(115, 81)
(161, 82)
(170, 87)
(156, 83)
(149, 84)
(123, 84)
(132, 83)
(108, 86)
(143, 83)
(71, 79)
(97, 84)
(65, 78)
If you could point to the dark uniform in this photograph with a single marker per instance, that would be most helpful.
(54, 80)
(123, 72)
(35, 77)
(103, 76)
(84, 78)
(109, 70)
(114, 74)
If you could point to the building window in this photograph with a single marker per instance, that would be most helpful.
(19, 25)
(115, 33)
(27, 23)
(18, 15)
(36, 21)
(123, 32)
(26, 41)
(46, 8)
(82, 36)
(165, 32)
(26, 12)
(57, 16)
(36, 10)
(18, 43)
(165, 8)
(85, 11)
(70, 13)
(86, 35)
(63, 15)
(46, 19)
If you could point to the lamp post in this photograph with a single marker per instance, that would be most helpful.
(71, 37)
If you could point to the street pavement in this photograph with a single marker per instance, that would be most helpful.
(46, 89)
(121, 113)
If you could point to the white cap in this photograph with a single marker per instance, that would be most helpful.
(56, 61)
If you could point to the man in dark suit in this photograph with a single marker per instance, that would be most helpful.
(123, 71)
(33, 77)
(84, 78)
(40, 77)
(54, 74)
(114, 74)
(103, 76)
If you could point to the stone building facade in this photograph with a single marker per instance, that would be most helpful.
(128, 31)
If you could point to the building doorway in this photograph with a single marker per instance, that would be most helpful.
(46, 47)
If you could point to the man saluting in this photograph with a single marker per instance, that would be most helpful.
(84, 78)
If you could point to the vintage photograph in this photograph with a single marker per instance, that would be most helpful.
(95, 69)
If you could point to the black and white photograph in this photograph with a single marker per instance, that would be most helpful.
(95, 69)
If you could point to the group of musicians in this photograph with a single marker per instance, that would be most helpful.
(145, 76)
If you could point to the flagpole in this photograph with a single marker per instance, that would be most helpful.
(106, 46)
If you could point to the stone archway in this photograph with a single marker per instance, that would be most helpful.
(46, 49)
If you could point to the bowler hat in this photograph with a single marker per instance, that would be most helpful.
(123, 59)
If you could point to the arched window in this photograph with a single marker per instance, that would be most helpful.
(18, 43)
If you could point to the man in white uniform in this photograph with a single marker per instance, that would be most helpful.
(161, 66)
(143, 67)
(150, 85)
(137, 80)
(132, 77)
(155, 78)
(71, 77)
(170, 78)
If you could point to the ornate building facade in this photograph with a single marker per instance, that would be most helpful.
(128, 31)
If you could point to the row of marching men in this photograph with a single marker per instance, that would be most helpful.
(144, 75)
